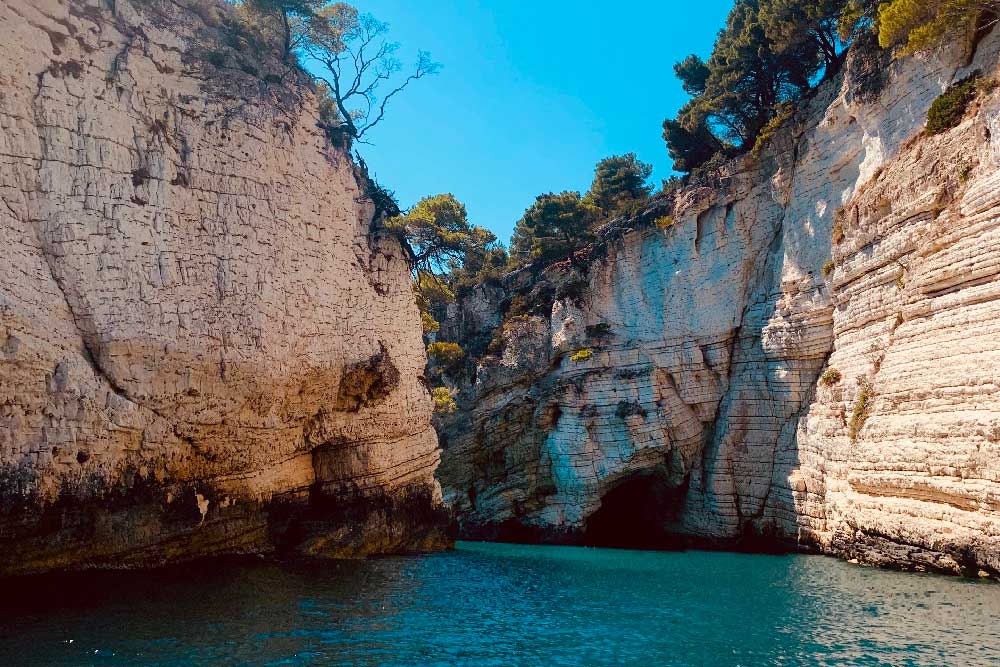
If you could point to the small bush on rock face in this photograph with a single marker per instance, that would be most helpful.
(665, 221)
(861, 408)
(444, 402)
(429, 324)
(830, 377)
(582, 355)
(445, 354)
(782, 114)
(948, 110)
(828, 268)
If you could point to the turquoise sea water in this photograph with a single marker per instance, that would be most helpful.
(506, 605)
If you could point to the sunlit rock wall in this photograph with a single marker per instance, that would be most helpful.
(699, 415)
(202, 347)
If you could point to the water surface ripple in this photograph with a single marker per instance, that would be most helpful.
(507, 605)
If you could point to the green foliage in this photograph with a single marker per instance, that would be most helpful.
(690, 142)
(432, 296)
(782, 115)
(918, 25)
(445, 355)
(485, 262)
(830, 377)
(582, 355)
(438, 232)
(808, 28)
(828, 268)
(857, 17)
(279, 21)
(554, 227)
(965, 173)
(693, 74)
(664, 221)
(770, 52)
(620, 184)
(444, 401)
(344, 49)
(862, 407)
(949, 108)
(428, 324)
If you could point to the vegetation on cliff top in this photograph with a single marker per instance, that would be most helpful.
(345, 51)
(769, 56)
(771, 53)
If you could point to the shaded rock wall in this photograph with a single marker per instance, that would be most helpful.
(203, 349)
(708, 337)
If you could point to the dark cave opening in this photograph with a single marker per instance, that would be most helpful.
(636, 514)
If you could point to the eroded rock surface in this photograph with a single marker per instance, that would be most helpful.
(203, 349)
(699, 414)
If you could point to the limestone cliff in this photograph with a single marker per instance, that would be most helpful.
(695, 411)
(203, 347)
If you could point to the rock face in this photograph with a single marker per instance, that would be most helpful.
(203, 347)
(695, 411)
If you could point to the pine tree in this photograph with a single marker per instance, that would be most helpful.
(619, 184)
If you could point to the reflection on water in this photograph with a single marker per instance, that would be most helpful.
(489, 604)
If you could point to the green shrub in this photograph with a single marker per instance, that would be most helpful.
(428, 323)
(582, 355)
(963, 176)
(444, 402)
(445, 354)
(828, 268)
(830, 377)
(949, 108)
(782, 114)
(861, 408)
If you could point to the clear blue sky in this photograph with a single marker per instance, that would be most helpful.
(531, 95)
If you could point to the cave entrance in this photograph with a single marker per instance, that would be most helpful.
(635, 515)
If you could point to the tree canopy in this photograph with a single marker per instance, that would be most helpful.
(344, 49)
(771, 52)
(921, 24)
(439, 234)
(553, 227)
(449, 254)
(619, 184)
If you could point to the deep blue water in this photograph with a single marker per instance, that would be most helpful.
(505, 605)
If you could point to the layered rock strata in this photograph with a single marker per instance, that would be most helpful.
(673, 393)
(204, 348)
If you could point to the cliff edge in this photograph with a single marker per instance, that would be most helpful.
(204, 349)
(798, 351)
